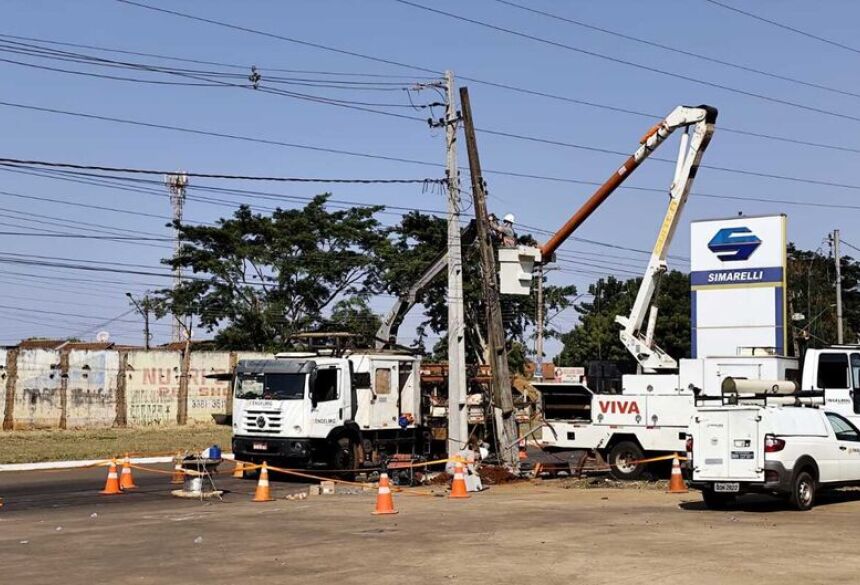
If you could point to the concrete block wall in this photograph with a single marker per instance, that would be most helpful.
(152, 387)
(87, 388)
(38, 400)
(91, 381)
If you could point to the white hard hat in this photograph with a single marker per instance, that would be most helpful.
(509, 217)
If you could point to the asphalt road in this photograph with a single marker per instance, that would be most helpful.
(75, 488)
(543, 532)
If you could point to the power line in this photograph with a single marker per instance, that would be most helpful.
(785, 27)
(619, 61)
(128, 170)
(685, 52)
(499, 85)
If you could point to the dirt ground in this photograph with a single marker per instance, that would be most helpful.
(545, 532)
(56, 445)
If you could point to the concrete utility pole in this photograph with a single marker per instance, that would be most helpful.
(143, 308)
(458, 427)
(176, 186)
(539, 326)
(503, 402)
(839, 331)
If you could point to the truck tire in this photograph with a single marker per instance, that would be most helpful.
(620, 461)
(717, 501)
(803, 491)
(343, 457)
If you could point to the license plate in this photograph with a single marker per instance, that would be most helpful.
(260, 446)
(727, 487)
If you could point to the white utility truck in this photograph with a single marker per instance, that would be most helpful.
(322, 410)
(652, 412)
(650, 420)
(787, 451)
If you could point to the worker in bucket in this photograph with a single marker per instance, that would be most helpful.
(504, 231)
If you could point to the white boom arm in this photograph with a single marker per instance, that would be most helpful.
(693, 144)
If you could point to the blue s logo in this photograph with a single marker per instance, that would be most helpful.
(734, 244)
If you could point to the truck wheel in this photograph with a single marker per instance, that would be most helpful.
(251, 473)
(343, 456)
(623, 461)
(803, 491)
(717, 501)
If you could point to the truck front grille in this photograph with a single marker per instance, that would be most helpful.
(271, 422)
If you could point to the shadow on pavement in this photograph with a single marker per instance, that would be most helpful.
(764, 504)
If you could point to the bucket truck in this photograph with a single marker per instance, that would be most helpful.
(650, 416)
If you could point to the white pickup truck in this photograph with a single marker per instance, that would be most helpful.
(788, 451)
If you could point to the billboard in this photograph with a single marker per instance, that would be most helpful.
(737, 282)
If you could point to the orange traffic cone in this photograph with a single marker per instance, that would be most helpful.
(384, 499)
(458, 485)
(676, 481)
(178, 470)
(239, 470)
(126, 481)
(262, 493)
(112, 483)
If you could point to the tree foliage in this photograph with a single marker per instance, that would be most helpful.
(417, 242)
(258, 279)
(811, 280)
(595, 337)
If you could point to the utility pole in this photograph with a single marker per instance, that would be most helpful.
(458, 428)
(143, 308)
(839, 331)
(503, 402)
(176, 184)
(539, 326)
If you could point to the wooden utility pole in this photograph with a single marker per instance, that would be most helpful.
(539, 326)
(839, 330)
(458, 428)
(503, 403)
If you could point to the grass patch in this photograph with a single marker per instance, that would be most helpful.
(55, 445)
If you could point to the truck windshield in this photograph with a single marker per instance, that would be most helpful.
(270, 386)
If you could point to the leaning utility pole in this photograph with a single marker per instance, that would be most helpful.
(503, 403)
(458, 427)
(176, 186)
(539, 326)
(839, 332)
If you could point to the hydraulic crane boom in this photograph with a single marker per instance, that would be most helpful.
(693, 144)
(386, 335)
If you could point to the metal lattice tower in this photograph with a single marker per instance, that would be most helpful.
(176, 184)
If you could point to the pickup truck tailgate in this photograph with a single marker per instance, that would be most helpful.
(727, 445)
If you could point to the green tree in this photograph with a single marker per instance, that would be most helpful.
(595, 337)
(416, 242)
(811, 281)
(256, 279)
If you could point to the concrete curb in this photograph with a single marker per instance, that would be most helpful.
(49, 465)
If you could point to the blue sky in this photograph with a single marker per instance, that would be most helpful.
(386, 29)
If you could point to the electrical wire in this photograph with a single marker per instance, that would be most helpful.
(669, 48)
(489, 83)
(785, 26)
(626, 62)
(138, 171)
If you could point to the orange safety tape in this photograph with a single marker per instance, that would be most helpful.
(637, 461)
(153, 470)
(310, 476)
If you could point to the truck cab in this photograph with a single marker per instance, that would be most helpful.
(310, 410)
(835, 371)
